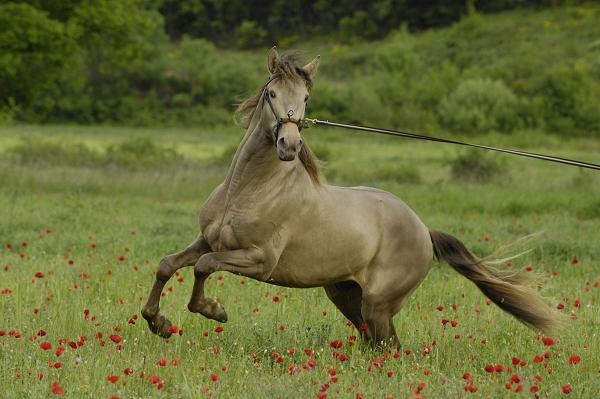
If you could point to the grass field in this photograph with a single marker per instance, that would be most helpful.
(84, 220)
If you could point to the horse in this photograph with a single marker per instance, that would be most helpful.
(275, 220)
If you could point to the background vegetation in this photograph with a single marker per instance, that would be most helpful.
(87, 212)
(491, 66)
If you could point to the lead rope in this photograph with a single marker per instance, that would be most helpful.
(400, 133)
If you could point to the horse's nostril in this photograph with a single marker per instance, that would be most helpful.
(281, 141)
(300, 143)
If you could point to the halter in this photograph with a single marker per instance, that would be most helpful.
(279, 121)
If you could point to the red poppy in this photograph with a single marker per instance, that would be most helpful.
(218, 329)
(566, 389)
(336, 344)
(276, 299)
(45, 345)
(489, 368)
(116, 338)
(39, 274)
(161, 362)
(309, 352)
(214, 377)
(112, 378)
(548, 341)
(440, 308)
(57, 389)
(128, 371)
(574, 359)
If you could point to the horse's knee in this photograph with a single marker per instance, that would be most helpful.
(164, 271)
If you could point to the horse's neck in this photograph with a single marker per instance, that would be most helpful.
(255, 162)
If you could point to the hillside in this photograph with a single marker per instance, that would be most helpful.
(520, 70)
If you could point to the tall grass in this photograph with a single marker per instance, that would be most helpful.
(80, 243)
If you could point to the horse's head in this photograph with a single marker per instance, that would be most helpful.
(284, 101)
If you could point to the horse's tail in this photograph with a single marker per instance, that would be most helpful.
(507, 290)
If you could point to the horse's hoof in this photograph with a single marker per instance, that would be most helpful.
(160, 326)
(210, 309)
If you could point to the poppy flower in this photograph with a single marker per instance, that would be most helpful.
(547, 341)
(566, 389)
(161, 362)
(45, 345)
(116, 338)
(56, 389)
(574, 359)
(214, 377)
(336, 344)
(112, 378)
(218, 329)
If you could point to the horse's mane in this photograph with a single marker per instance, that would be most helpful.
(287, 69)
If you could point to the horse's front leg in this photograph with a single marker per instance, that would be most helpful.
(253, 263)
(158, 323)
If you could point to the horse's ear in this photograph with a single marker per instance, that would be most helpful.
(272, 60)
(311, 67)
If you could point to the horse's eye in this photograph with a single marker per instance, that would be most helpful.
(306, 98)
(272, 94)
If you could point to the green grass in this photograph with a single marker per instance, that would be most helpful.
(96, 234)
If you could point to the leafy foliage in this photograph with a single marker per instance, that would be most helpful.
(111, 61)
(480, 105)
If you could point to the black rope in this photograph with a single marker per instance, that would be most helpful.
(410, 135)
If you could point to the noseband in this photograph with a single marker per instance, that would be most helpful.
(279, 121)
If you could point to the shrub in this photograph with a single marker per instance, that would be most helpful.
(480, 105)
(476, 166)
(570, 101)
(43, 152)
(140, 153)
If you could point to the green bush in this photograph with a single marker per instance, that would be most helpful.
(35, 151)
(140, 153)
(475, 166)
(480, 105)
(570, 101)
(35, 50)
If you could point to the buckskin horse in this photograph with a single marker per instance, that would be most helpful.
(273, 219)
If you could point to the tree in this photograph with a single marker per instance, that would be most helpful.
(34, 51)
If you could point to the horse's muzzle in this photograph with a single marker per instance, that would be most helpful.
(286, 150)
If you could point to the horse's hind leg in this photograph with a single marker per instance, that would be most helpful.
(347, 297)
(158, 323)
(378, 318)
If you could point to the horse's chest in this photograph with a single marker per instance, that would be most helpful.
(227, 231)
